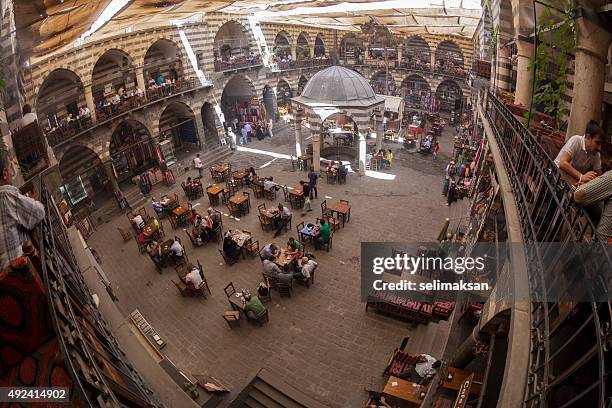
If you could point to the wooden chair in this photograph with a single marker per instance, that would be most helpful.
(252, 248)
(294, 162)
(286, 193)
(284, 289)
(194, 240)
(265, 222)
(258, 190)
(325, 211)
(228, 261)
(308, 282)
(334, 223)
(329, 243)
(229, 290)
(261, 318)
(248, 200)
(125, 234)
(234, 209)
(261, 207)
(183, 289)
(271, 194)
(299, 229)
(268, 298)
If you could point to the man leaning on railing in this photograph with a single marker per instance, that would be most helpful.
(598, 191)
(20, 214)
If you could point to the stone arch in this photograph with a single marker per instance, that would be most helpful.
(160, 56)
(449, 55)
(303, 46)
(239, 89)
(351, 44)
(131, 149)
(319, 46)
(378, 82)
(269, 101)
(177, 121)
(232, 38)
(282, 44)
(61, 92)
(416, 52)
(112, 70)
(416, 91)
(302, 81)
(284, 93)
(81, 162)
(210, 122)
(447, 93)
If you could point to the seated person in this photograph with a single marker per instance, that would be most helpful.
(253, 306)
(282, 220)
(209, 227)
(272, 270)
(293, 247)
(304, 269)
(323, 235)
(138, 221)
(193, 215)
(252, 175)
(269, 251)
(194, 278)
(230, 247)
(198, 228)
(215, 217)
(269, 184)
(423, 371)
(176, 250)
(157, 206)
(376, 400)
(580, 157)
(154, 251)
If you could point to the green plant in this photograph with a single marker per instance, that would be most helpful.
(494, 31)
(191, 389)
(557, 38)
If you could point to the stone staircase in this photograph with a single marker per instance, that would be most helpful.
(267, 390)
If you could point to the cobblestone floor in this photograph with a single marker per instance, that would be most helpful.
(321, 339)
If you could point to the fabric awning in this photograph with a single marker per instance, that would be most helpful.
(393, 104)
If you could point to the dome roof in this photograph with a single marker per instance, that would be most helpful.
(338, 86)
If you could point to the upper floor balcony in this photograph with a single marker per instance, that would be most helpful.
(235, 63)
(304, 63)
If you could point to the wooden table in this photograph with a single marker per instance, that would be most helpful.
(283, 260)
(342, 209)
(459, 376)
(404, 390)
(270, 213)
(304, 160)
(167, 201)
(237, 302)
(150, 229)
(165, 246)
(239, 199)
(213, 193)
(309, 233)
(241, 238)
(220, 168)
(297, 191)
(240, 176)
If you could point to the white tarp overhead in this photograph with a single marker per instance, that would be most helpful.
(393, 104)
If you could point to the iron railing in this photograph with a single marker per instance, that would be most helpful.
(569, 339)
(101, 374)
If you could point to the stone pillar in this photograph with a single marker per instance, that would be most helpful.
(366, 51)
(379, 132)
(90, 102)
(294, 53)
(465, 354)
(298, 135)
(503, 69)
(108, 169)
(432, 54)
(200, 128)
(362, 153)
(316, 150)
(592, 43)
(400, 54)
(524, 74)
(140, 80)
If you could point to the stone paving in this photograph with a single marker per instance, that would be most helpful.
(321, 339)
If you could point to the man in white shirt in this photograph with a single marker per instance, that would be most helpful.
(197, 163)
(579, 158)
(177, 249)
(307, 266)
(28, 116)
(269, 184)
(282, 219)
(194, 278)
(423, 370)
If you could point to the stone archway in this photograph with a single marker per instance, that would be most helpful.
(163, 57)
(232, 39)
(131, 149)
(319, 47)
(211, 123)
(301, 84)
(416, 92)
(82, 174)
(302, 49)
(379, 86)
(447, 95)
(177, 123)
(416, 53)
(283, 96)
(112, 71)
(282, 46)
(351, 48)
(61, 93)
(239, 101)
(449, 58)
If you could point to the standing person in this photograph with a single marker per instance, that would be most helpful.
(435, 150)
(259, 133)
(284, 215)
(243, 132)
(249, 129)
(28, 116)
(312, 181)
(306, 195)
(20, 213)
(232, 138)
(197, 163)
(452, 191)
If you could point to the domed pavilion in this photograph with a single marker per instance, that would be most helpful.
(331, 91)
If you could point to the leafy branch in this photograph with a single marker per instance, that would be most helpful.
(494, 31)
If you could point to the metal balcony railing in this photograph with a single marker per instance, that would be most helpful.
(237, 63)
(569, 339)
(100, 371)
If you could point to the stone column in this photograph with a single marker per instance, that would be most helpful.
(366, 51)
(379, 132)
(524, 74)
(432, 54)
(108, 169)
(140, 81)
(316, 149)
(298, 135)
(294, 53)
(362, 153)
(90, 102)
(592, 43)
(200, 128)
(503, 69)
(400, 54)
